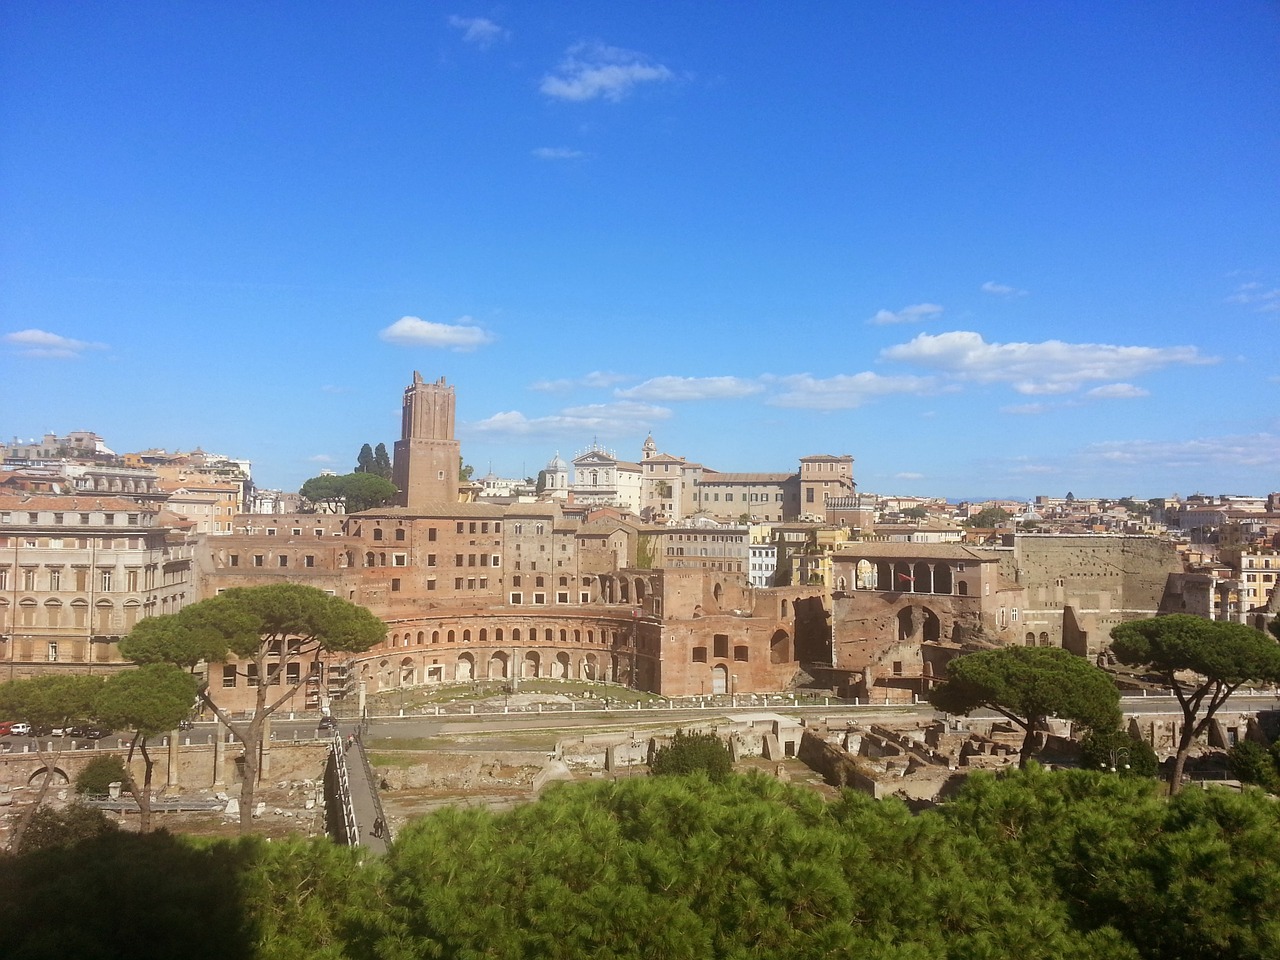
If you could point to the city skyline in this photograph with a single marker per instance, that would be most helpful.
(995, 252)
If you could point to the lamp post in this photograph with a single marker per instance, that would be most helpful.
(1119, 760)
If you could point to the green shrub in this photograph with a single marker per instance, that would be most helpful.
(1099, 749)
(693, 753)
(1252, 763)
(99, 773)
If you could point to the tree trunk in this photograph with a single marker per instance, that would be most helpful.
(141, 797)
(251, 739)
(1185, 740)
(1028, 745)
(29, 814)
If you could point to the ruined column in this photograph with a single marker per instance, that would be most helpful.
(219, 754)
(264, 767)
(171, 775)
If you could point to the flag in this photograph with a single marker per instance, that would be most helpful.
(903, 576)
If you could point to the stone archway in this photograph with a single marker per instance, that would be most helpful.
(720, 678)
(560, 667)
(590, 669)
(406, 671)
(780, 647)
(498, 666)
(530, 666)
(465, 669)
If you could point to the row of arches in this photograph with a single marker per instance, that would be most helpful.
(387, 673)
(936, 577)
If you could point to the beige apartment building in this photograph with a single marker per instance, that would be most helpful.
(76, 573)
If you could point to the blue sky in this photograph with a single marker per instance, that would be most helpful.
(996, 249)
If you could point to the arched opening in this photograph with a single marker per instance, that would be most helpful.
(717, 592)
(922, 578)
(962, 588)
(942, 578)
(560, 668)
(530, 665)
(590, 667)
(719, 679)
(903, 581)
(498, 666)
(780, 647)
(406, 671)
(466, 668)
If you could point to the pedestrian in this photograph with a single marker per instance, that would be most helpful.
(378, 827)
(351, 738)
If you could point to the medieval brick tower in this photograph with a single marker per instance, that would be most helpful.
(427, 457)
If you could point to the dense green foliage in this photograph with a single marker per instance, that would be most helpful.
(50, 829)
(1253, 763)
(1035, 864)
(1028, 685)
(351, 492)
(987, 518)
(693, 752)
(1105, 749)
(99, 773)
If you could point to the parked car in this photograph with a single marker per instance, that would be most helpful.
(88, 732)
(20, 729)
(6, 727)
(327, 723)
(60, 730)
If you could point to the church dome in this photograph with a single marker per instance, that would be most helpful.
(556, 465)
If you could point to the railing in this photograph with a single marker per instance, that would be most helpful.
(342, 787)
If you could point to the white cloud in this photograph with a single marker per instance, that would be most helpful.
(557, 153)
(1118, 391)
(597, 379)
(915, 313)
(671, 389)
(845, 391)
(320, 458)
(413, 332)
(1049, 367)
(603, 419)
(41, 343)
(908, 476)
(1195, 456)
(478, 30)
(1002, 289)
(595, 70)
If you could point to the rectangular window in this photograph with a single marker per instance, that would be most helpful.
(109, 519)
(293, 673)
(431, 583)
(484, 583)
(257, 559)
(431, 559)
(283, 560)
(562, 596)
(104, 580)
(398, 560)
(460, 526)
(228, 676)
(457, 583)
(271, 531)
(84, 518)
(233, 560)
(395, 584)
(457, 559)
(721, 642)
(55, 579)
(297, 531)
(251, 675)
(471, 528)
(540, 598)
(699, 654)
(131, 580)
(309, 560)
(431, 533)
(517, 598)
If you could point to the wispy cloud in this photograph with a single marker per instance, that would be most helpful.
(1258, 296)
(1117, 391)
(908, 476)
(1025, 409)
(591, 70)
(596, 380)
(320, 458)
(483, 33)
(41, 343)
(601, 419)
(916, 313)
(843, 392)
(1049, 367)
(671, 389)
(558, 153)
(1194, 456)
(413, 332)
(1002, 290)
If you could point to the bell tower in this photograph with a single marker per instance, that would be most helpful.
(427, 457)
